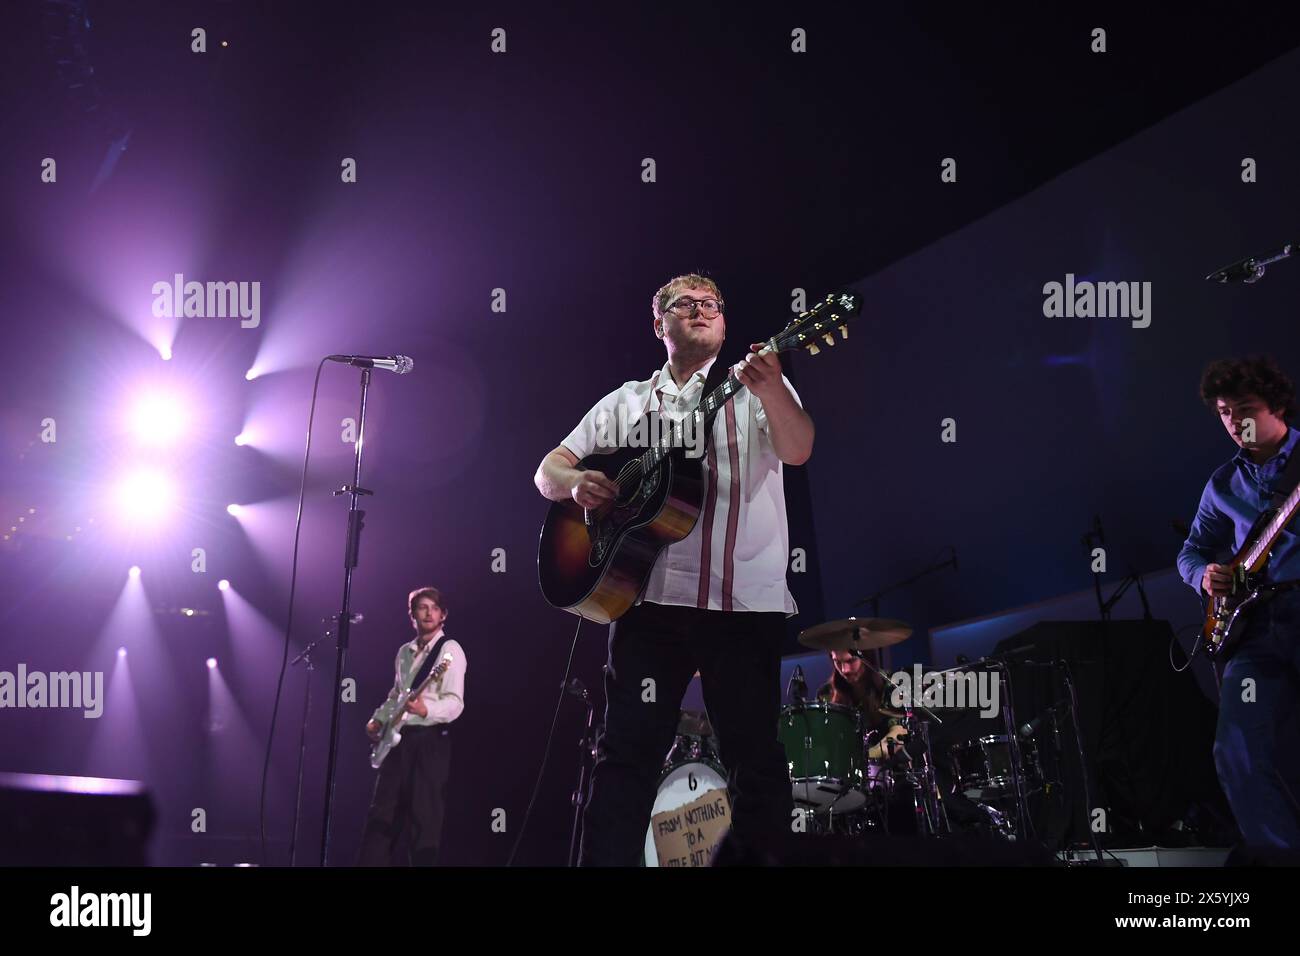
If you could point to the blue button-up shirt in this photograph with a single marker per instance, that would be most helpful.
(1236, 494)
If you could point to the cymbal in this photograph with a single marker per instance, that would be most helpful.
(856, 634)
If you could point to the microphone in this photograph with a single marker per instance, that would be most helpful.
(1030, 728)
(797, 690)
(400, 364)
(1251, 269)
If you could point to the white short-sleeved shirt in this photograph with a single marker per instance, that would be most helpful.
(740, 540)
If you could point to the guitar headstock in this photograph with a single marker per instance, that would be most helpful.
(829, 316)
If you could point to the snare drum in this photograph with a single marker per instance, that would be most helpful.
(691, 815)
(823, 749)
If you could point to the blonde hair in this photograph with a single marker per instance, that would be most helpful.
(692, 280)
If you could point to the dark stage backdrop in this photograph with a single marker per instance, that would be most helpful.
(1056, 419)
(516, 180)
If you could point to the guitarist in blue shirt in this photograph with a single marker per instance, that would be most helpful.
(409, 794)
(1255, 747)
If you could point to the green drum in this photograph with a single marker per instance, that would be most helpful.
(823, 749)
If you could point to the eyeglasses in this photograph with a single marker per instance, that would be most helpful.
(687, 305)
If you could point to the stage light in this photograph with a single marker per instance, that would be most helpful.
(212, 663)
(157, 419)
(166, 353)
(234, 510)
(121, 652)
(135, 571)
(241, 439)
(187, 611)
(250, 374)
(223, 585)
(145, 495)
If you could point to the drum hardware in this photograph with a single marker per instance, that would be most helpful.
(1015, 777)
(982, 767)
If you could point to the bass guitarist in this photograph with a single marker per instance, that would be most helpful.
(715, 601)
(1255, 747)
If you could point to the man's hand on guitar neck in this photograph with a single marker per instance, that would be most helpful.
(1217, 580)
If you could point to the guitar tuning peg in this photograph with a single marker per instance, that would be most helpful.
(844, 331)
(830, 338)
(812, 348)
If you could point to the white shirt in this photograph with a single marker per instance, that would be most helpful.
(740, 540)
(445, 697)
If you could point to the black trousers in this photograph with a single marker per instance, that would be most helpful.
(738, 655)
(409, 798)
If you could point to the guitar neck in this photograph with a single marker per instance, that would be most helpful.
(433, 676)
(1268, 537)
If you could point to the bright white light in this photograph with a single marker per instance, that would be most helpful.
(223, 585)
(157, 419)
(145, 495)
(241, 438)
(250, 374)
(166, 353)
(212, 663)
(121, 652)
(135, 571)
(234, 510)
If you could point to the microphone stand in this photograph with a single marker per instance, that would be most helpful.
(1083, 761)
(304, 657)
(356, 521)
(874, 599)
(587, 751)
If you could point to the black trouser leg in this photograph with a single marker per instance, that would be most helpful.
(650, 664)
(740, 668)
(430, 768)
(385, 818)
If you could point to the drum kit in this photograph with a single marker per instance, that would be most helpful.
(851, 778)
(847, 777)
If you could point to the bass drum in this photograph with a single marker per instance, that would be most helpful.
(691, 815)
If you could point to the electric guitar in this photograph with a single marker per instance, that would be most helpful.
(393, 714)
(1225, 616)
(594, 562)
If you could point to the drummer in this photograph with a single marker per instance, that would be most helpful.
(853, 684)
